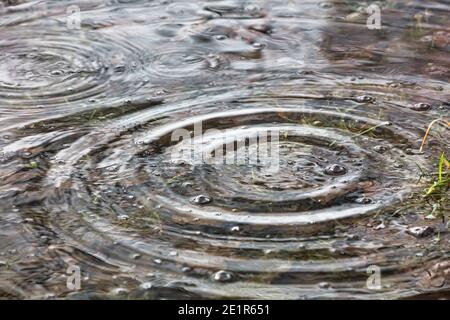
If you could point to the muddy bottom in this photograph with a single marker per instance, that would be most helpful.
(224, 149)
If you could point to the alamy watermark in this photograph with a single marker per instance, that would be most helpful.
(74, 280)
(374, 280)
(227, 147)
(73, 21)
(374, 19)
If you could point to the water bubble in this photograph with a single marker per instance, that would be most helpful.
(380, 226)
(186, 269)
(335, 170)
(421, 106)
(324, 285)
(119, 291)
(235, 229)
(222, 276)
(363, 200)
(135, 256)
(56, 73)
(201, 199)
(380, 149)
(365, 99)
(258, 45)
(146, 285)
(325, 5)
(420, 232)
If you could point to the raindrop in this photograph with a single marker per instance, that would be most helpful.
(335, 170)
(201, 199)
(222, 276)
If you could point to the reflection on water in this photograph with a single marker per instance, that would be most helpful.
(88, 102)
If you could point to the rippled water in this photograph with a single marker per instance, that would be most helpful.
(86, 116)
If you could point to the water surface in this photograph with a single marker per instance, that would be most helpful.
(86, 116)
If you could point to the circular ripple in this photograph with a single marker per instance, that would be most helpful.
(134, 195)
(134, 191)
(176, 64)
(54, 69)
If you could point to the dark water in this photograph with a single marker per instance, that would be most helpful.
(87, 177)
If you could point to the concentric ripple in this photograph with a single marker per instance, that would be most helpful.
(126, 186)
(42, 69)
(223, 149)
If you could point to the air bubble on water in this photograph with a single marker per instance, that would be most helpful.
(222, 276)
(380, 148)
(365, 99)
(324, 285)
(335, 170)
(119, 291)
(421, 106)
(363, 200)
(173, 253)
(380, 226)
(235, 229)
(201, 199)
(186, 269)
(135, 256)
(325, 5)
(258, 45)
(146, 285)
(56, 73)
